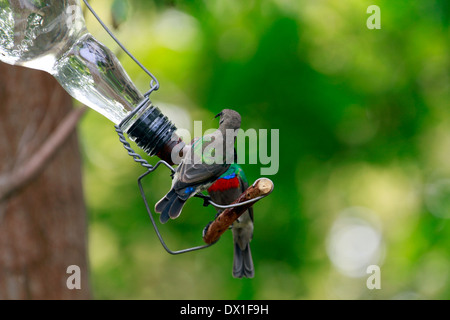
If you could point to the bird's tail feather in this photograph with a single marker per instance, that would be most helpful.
(243, 262)
(172, 208)
(164, 204)
(176, 207)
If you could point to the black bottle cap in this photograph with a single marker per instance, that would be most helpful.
(152, 131)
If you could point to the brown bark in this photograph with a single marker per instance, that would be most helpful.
(43, 218)
(262, 187)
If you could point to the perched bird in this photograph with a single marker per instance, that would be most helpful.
(224, 191)
(205, 161)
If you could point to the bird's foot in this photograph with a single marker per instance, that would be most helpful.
(205, 198)
(205, 229)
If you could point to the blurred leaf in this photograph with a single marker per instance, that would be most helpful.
(119, 12)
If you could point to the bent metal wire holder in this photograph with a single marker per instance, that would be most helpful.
(154, 85)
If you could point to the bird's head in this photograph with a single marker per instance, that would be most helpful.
(229, 119)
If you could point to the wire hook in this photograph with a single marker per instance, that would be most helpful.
(154, 83)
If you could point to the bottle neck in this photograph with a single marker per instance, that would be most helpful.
(153, 132)
(51, 35)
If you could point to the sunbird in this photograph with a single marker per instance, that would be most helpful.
(206, 159)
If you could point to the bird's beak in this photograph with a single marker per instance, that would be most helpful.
(218, 115)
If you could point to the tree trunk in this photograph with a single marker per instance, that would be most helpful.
(42, 221)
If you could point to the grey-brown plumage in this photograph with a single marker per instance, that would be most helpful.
(200, 167)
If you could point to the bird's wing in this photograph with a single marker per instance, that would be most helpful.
(190, 173)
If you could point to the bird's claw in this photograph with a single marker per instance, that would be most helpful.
(205, 229)
(206, 199)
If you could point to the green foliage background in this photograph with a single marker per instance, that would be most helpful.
(364, 176)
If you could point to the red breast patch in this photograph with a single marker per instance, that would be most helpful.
(224, 184)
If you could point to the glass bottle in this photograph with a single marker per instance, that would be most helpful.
(51, 35)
